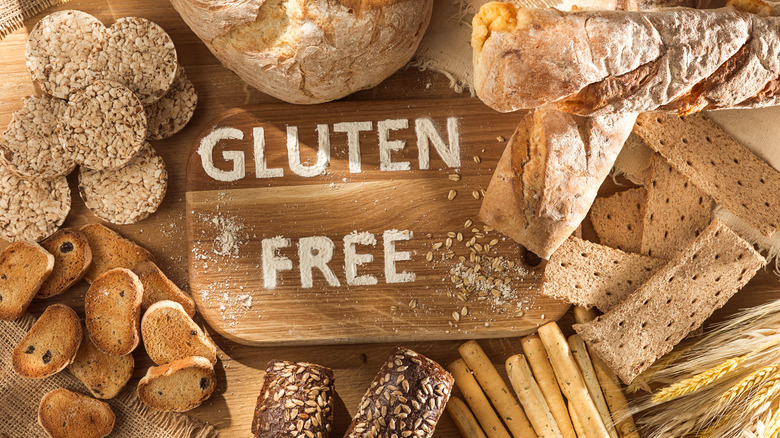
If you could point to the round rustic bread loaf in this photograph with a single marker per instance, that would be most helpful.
(309, 51)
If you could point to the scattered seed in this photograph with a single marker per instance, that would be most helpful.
(429, 256)
(436, 246)
(493, 242)
(477, 159)
(468, 223)
(451, 234)
(475, 194)
(456, 316)
(500, 138)
(413, 303)
(454, 177)
(464, 311)
(448, 242)
(459, 236)
(452, 194)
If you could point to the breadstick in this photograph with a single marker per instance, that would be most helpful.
(548, 384)
(571, 381)
(576, 423)
(531, 397)
(464, 419)
(580, 351)
(477, 401)
(612, 388)
(495, 388)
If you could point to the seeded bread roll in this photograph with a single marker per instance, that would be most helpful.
(296, 400)
(50, 345)
(406, 398)
(178, 386)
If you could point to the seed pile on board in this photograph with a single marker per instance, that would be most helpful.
(106, 92)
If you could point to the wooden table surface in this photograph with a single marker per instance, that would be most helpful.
(241, 367)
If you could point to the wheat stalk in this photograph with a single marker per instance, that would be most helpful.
(746, 384)
(701, 380)
(765, 392)
(772, 426)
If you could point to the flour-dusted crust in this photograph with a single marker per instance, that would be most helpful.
(313, 51)
(138, 54)
(31, 210)
(58, 49)
(171, 114)
(104, 126)
(129, 194)
(30, 145)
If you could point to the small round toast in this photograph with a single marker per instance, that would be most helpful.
(103, 374)
(112, 308)
(59, 48)
(103, 126)
(158, 287)
(50, 345)
(31, 210)
(30, 146)
(171, 114)
(24, 266)
(68, 414)
(72, 259)
(129, 194)
(170, 334)
(110, 250)
(178, 386)
(139, 54)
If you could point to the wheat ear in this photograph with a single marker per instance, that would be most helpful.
(765, 392)
(701, 380)
(749, 382)
(772, 426)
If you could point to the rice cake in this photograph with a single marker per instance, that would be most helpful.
(31, 210)
(171, 114)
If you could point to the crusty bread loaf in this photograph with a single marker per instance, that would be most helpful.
(294, 392)
(178, 386)
(417, 386)
(170, 334)
(24, 266)
(50, 345)
(110, 250)
(103, 374)
(157, 287)
(618, 219)
(72, 258)
(549, 175)
(67, 414)
(313, 51)
(673, 302)
(112, 311)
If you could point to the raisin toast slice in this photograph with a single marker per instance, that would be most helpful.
(110, 250)
(50, 345)
(68, 414)
(178, 386)
(170, 334)
(72, 259)
(103, 374)
(158, 287)
(24, 266)
(113, 310)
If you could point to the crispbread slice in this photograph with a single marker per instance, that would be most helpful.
(50, 345)
(178, 386)
(715, 162)
(24, 266)
(588, 274)
(157, 287)
(677, 211)
(68, 414)
(72, 259)
(103, 374)
(170, 334)
(110, 250)
(112, 308)
(673, 302)
(617, 219)
(170, 114)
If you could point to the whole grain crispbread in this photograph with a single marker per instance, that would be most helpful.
(171, 114)
(50, 345)
(677, 211)
(617, 219)
(673, 302)
(24, 266)
(72, 259)
(178, 386)
(112, 309)
(104, 375)
(158, 287)
(170, 334)
(591, 275)
(718, 164)
(110, 250)
(68, 414)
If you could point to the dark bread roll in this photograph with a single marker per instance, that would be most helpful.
(296, 400)
(406, 398)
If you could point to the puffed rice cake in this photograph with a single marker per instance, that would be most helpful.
(171, 114)
(104, 126)
(139, 54)
(129, 194)
(58, 50)
(30, 146)
(31, 210)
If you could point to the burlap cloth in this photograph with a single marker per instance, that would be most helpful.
(19, 399)
(14, 12)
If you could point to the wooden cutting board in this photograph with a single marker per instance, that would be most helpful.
(336, 223)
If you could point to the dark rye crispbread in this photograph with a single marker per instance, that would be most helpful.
(673, 302)
(677, 211)
(158, 287)
(170, 334)
(24, 266)
(112, 308)
(103, 374)
(50, 345)
(72, 259)
(617, 219)
(710, 158)
(110, 250)
(68, 414)
(591, 275)
(178, 386)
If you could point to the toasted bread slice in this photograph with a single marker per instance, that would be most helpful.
(157, 287)
(50, 345)
(67, 414)
(170, 334)
(24, 266)
(72, 259)
(178, 386)
(110, 250)
(113, 310)
(103, 374)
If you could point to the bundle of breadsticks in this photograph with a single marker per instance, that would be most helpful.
(561, 389)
